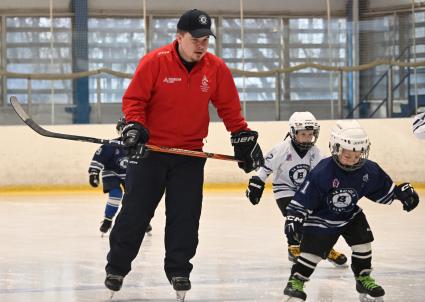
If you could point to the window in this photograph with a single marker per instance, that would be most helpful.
(117, 44)
(29, 50)
(309, 42)
(262, 52)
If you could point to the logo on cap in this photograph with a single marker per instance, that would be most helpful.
(203, 19)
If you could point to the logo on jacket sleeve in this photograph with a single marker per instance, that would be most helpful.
(204, 84)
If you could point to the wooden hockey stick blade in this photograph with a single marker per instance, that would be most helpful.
(40, 130)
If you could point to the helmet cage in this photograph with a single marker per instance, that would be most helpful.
(336, 151)
(307, 125)
(358, 142)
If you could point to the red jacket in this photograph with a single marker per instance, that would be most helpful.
(173, 103)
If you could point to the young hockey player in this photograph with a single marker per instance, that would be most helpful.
(290, 161)
(112, 162)
(419, 125)
(326, 207)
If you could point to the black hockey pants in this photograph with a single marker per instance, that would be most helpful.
(181, 178)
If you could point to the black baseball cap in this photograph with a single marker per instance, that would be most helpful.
(196, 22)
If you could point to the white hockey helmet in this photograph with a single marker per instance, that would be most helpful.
(303, 121)
(349, 135)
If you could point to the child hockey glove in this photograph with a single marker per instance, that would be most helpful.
(94, 177)
(407, 195)
(293, 226)
(247, 150)
(255, 189)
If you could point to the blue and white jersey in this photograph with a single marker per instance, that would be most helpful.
(288, 168)
(329, 195)
(111, 160)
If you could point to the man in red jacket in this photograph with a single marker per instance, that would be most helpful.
(166, 104)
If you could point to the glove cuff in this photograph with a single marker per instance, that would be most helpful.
(94, 171)
(244, 138)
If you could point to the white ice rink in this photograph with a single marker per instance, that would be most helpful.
(51, 251)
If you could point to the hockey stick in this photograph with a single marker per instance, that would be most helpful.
(40, 130)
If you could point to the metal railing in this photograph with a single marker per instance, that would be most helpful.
(390, 89)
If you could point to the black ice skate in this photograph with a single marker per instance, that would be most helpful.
(106, 225)
(337, 259)
(368, 290)
(294, 290)
(181, 285)
(113, 282)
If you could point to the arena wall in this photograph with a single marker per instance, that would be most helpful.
(28, 160)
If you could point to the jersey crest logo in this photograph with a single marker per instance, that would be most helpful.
(335, 183)
(123, 162)
(204, 84)
(342, 200)
(298, 173)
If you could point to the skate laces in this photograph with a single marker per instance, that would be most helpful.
(367, 281)
(297, 284)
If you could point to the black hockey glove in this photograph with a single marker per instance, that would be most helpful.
(407, 195)
(293, 226)
(94, 177)
(255, 189)
(247, 150)
(134, 137)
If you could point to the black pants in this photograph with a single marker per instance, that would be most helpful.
(356, 232)
(181, 178)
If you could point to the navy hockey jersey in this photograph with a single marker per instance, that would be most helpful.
(111, 160)
(329, 195)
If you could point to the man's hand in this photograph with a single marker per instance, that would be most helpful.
(255, 189)
(247, 150)
(134, 133)
(407, 195)
(134, 137)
